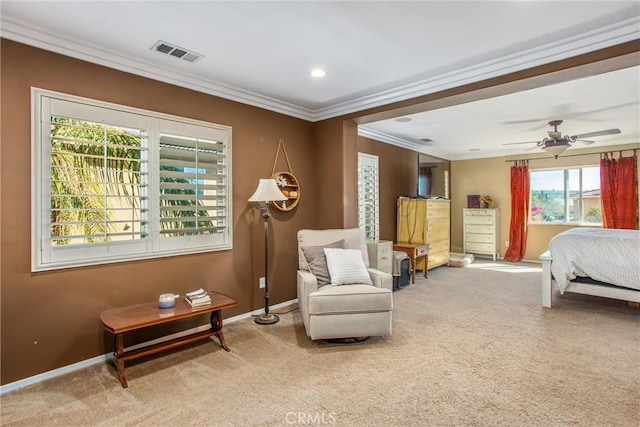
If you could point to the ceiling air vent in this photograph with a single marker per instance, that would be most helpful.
(426, 140)
(178, 52)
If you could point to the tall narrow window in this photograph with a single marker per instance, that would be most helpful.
(368, 199)
(114, 183)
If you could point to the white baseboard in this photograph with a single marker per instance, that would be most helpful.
(105, 357)
(52, 374)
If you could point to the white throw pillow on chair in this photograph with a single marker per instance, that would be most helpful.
(346, 267)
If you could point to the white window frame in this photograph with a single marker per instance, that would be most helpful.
(365, 203)
(44, 256)
(566, 196)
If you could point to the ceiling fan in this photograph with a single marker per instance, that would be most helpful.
(556, 143)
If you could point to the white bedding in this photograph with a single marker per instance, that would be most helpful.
(607, 255)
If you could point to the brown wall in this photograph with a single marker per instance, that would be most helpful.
(337, 173)
(51, 319)
(492, 177)
(329, 180)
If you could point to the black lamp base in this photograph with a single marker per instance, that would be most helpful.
(266, 319)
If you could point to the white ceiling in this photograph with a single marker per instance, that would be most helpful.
(374, 53)
(480, 128)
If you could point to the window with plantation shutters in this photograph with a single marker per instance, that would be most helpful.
(368, 201)
(97, 178)
(192, 186)
(113, 183)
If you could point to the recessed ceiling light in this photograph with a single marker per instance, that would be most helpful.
(318, 72)
(403, 119)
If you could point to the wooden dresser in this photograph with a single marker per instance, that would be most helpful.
(426, 221)
(482, 231)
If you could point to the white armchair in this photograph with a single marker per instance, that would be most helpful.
(345, 310)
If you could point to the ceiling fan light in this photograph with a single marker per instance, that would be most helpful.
(555, 149)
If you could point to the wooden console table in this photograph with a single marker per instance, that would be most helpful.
(125, 319)
(414, 251)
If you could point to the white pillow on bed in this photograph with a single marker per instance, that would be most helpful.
(346, 267)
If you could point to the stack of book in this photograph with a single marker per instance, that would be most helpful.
(199, 298)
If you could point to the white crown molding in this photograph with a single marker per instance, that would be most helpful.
(402, 143)
(22, 32)
(471, 155)
(598, 38)
(417, 147)
(474, 155)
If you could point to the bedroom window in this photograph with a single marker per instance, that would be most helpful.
(570, 195)
(368, 203)
(113, 183)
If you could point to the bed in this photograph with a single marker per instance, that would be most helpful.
(593, 261)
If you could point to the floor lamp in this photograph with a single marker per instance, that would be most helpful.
(266, 192)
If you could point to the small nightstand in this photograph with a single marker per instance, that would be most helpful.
(415, 251)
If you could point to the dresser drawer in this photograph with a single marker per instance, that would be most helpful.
(385, 249)
(438, 259)
(437, 214)
(422, 251)
(480, 211)
(439, 246)
(478, 228)
(438, 229)
(385, 264)
(479, 238)
(480, 248)
(437, 209)
(478, 219)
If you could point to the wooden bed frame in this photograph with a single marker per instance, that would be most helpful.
(546, 286)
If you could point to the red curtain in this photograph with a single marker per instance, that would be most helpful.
(519, 211)
(619, 191)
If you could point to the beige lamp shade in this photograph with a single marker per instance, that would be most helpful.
(267, 191)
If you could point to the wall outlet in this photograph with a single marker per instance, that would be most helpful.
(261, 282)
(506, 243)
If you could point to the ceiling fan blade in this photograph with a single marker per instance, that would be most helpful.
(519, 122)
(532, 148)
(584, 141)
(556, 110)
(598, 133)
(526, 142)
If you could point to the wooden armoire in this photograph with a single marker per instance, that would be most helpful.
(426, 221)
